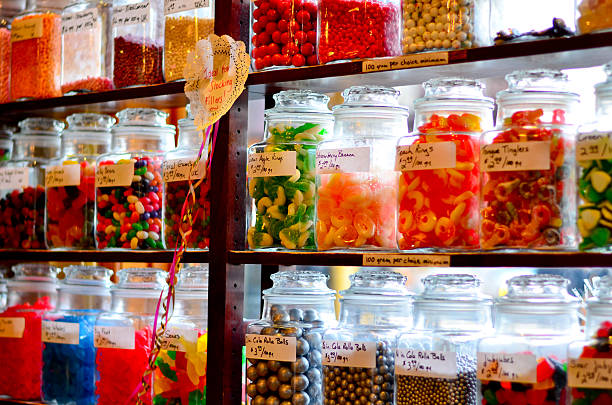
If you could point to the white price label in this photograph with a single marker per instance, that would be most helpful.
(114, 337)
(513, 156)
(12, 327)
(341, 353)
(176, 6)
(80, 21)
(262, 347)
(594, 146)
(30, 28)
(426, 156)
(62, 176)
(590, 373)
(14, 177)
(131, 14)
(178, 170)
(172, 339)
(347, 160)
(406, 61)
(268, 164)
(115, 175)
(400, 260)
(507, 367)
(60, 332)
(425, 363)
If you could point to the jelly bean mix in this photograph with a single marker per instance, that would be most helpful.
(595, 209)
(130, 217)
(439, 208)
(175, 194)
(22, 218)
(5, 64)
(137, 62)
(599, 349)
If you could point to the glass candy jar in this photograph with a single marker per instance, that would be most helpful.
(176, 174)
(356, 181)
(524, 361)
(437, 361)
(594, 16)
(351, 29)
(358, 355)
(31, 292)
(22, 206)
(185, 24)
(123, 336)
(281, 171)
(70, 182)
(6, 144)
(180, 376)
(296, 310)
(138, 42)
(129, 191)
(86, 46)
(69, 356)
(440, 180)
(36, 51)
(528, 164)
(5, 60)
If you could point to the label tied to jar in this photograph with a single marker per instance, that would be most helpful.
(115, 175)
(178, 170)
(513, 156)
(80, 21)
(30, 28)
(406, 61)
(346, 160)
(60, 332)
(507, 367)
(342, 353)
(114, 337)
(176, 6)
(172, 340)
(401, 260)
(268, 164)
(594, 146)
(426, 156)
(263, 347)
(590, 373)
(64, 175)
(14, 177)
(425, 363)
(12, 327)
(130, 14)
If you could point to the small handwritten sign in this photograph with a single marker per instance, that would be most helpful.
(172, 339)
(262, 347)
(131, 14)
(30, 28)
(425, 363)
(60, 332)
(268, 164)
(406, 61)
(346, 160)
(590, 373)
(62, 176)
(114, 337)
(14, 177)
(348, 354)
(426, 156)
(12, 327)
(507, 367)
(176, 6)
(594, 146)
(80, 21)
(399, 260)
(178, 170)
(115, 175)
(512, 156)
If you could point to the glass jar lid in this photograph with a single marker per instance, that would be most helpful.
(193, 278)
(604, 89)
(186, 122)
(538, 289)
(384, 283)
(537, 82)
(452, 287)
(143, 117)
(86, 276)
(41, 126)
(90, 122)
(143, 282)
(6, 134)
(454, 88)
(295, 282)
(375, 98)
(299, 102)
(34, 272)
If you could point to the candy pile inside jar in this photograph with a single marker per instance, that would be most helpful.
(595, 210)
(175, 194)
(137, 61)
(181, 34)
(22, 218)
(5, 63)
(594, 15)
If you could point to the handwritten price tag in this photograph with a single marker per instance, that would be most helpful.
(349, 354)
(512, 156)
(590, 373)
(12, 327)
(269, 164)
(80, 21)
(399, 260)
(176, 6)
(14, 177)
(64, 175)
(114, 337)
(131, 14)
(30, 28)
(172, 339)
(347, 160)
(424, 363)
(60, 332)
(426, 156)
(594, 146)
(507, 367)
(403, 62)
(279, 348)
(115, 175)
(178, 170)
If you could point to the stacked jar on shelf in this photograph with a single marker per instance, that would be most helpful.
(5, 59)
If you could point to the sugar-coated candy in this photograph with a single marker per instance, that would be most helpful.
(175, 194)
(595, 208)
(22, 218)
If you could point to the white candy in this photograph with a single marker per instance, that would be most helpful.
(426, 36)
(409, 23)
(420, 30)
(429, 44)
(462, 36)
(412, 48)
(446, 43)
(427, 17)
(431, 27)
(412, 31)
(434, 35)
(456, 44)
(420, 46)
(452, 36)
(437, 43)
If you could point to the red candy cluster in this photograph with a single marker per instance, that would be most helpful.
(137, 62)
(359, 29)
(175, 193)
(284, 33)
(22, 219)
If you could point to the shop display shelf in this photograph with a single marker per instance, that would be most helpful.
(16, 402)
(151, 256)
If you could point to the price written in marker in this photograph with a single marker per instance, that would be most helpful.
(14, 177)
(342, 353)
(347, 160)
(507, 367)
(80, 21)
(172, 339)
(115, 175)
(30, 28)
(403, 62)
(400, 260)
(426, 156)
(60, 332)
(513, 156)
(178, 170)
(177, 6)
(590, 373)
(594, 146)
(425, 363)
(12, 327)
(262, 347)
(64, 175)
(131, 14)
(114, 337)
(268, 164)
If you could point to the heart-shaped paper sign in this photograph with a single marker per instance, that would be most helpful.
(215, 74)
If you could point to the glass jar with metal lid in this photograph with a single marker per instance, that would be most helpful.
(281, 171)
(526, 357)
(129, 190)
(437, 361)
(283, 349)
(356, 178)
(69, 355)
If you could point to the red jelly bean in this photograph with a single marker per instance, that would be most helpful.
(22, 219)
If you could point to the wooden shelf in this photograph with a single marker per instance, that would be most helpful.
(17, 402)
(151, 256)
